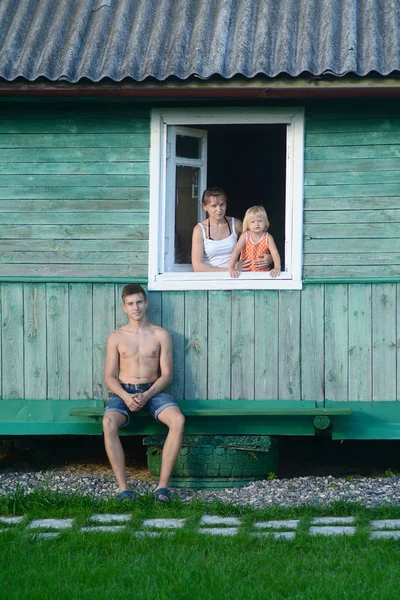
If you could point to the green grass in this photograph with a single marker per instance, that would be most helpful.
(189, 565)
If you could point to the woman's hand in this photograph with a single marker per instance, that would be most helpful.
(243, 265)
(264, 262)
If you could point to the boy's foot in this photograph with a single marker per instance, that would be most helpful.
(162, 495)
(127, 495)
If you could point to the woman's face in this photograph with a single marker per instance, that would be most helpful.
(216, 207)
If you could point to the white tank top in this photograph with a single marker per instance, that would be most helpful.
(218, 252)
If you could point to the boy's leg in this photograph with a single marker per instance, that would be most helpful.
(112, 421)
(175, 421)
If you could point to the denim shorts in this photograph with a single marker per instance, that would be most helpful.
(154, 406)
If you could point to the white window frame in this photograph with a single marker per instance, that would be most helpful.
(161, 119)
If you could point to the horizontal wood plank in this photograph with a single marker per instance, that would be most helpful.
(374, 124)
(59, 257)
(28, 125)
(346, 271)
(127, 168)
(74, 245)
(104, 232)
(353, 152)
(353, 165)
(75, 180)
(352, 177)
(33, 206)
(355, 230)
(355, 259)
(353, 191)
(74, 155)
(352, 216)
(340, 204)
(369, 138)
(76, 270)
(367, 246)
(72, 140)
(74, 193)
(76, 218)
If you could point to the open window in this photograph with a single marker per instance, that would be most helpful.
(256, 156)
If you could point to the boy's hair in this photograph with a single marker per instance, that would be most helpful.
(132, 288)
(252, 212)
(212, 192)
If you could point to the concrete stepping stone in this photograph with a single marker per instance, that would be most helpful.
(103, 529)
(332, 520)
(45, 535)
(164, 523)
(51, 524)
(219, 530)
(332, 530)
(212, 520)
(281, 524)
(278, 535)
(375, 535)
(107, 518)
(153, 534)
(385, 524)
(11, 520)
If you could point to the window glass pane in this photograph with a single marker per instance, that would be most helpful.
(188, 147)
(186, 211)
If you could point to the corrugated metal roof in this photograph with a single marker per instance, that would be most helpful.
(118, 39)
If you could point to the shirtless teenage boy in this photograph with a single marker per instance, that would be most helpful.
(138, 369)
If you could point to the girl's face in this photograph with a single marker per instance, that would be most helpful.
(216, 207)
(257, 223)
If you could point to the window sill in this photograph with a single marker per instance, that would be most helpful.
(180, 281)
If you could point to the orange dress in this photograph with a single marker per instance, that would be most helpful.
(253, 251)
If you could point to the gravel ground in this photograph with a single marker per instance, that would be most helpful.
(317, 491)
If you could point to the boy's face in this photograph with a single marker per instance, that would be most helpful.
(135, 306)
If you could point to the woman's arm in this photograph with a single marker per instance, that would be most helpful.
(233, 270)
(198, 263)
(275, 257)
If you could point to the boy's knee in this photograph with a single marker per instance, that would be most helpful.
(179, 421)
(110, 424)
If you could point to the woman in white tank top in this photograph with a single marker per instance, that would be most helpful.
(215, 238)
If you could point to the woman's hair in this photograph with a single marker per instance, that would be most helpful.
(252, 212)
(212, 192)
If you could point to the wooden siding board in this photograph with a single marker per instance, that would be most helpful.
(154, 312)
(58, 356)
(196, 317)
(359, 215)
(73, 155)
(352, 165)
(312, 343)
(364, 203)
(89, 232)
(103, 325)
(360, 348)
(81, 340)
(73, 258)
(336, 343)
(77, 205)
(60, 245)
(219, 345)
(75, 126)
(173, 320)
(12, 300)
(384, 342)
(110, 169)
(242, 357)
(348, 272)
(289, 346)
(84, 140)
(75, 270)
(74, 193)
(87, 218)
(266, 345)
(398, 339)
(352, 152)
(35, 347)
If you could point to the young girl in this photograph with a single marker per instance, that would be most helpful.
(254, 243)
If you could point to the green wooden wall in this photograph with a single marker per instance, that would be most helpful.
(74, 189)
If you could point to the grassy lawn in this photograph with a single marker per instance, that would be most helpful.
(189, 565)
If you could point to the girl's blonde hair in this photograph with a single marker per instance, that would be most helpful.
(252, 212)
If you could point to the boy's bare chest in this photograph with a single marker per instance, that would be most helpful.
(139, 348)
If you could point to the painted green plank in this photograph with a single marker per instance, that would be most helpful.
(1, 349)
(219, 345)
(81, 340)
(74, 193)
(353, 230)
(48, 140)
(74, 180)
(73, 169)
(352, 216)
(102, 205)
(384, 342)
(368, 245)
(12, 340)
(60, 257)
(76, 270)
(71, 108)
(368, 421)
(336, 342)
(289, 345)
(370, 258)
(77, 245)
(196, 344)
(62, 126)
(266, 336)
(242, 358)
(353, 191)
(76, 218)
(120, 316)
(360, 350)
(398, 339)
(73, 155)
(103, 325)
(82, 232)
(360, 125)
(58, 360)
(354, 109)
(352, 152)
(154, 312)
(353, 165)
(312, 343)
(343, 178)
(173, 319)
(369, 138)
(362, 203)
(35, 346)
(365, 272)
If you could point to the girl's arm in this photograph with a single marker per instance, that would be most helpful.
(198, 263)
(275, 257)
(234, 272)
